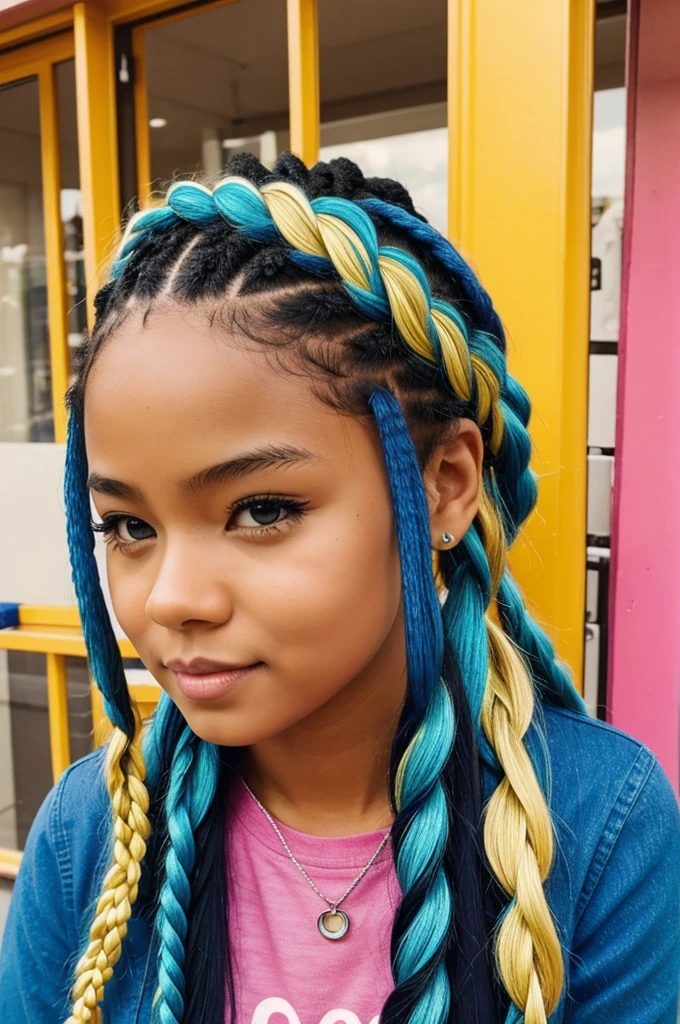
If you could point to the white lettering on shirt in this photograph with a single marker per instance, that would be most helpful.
(274, 1004)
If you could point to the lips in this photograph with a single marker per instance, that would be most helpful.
(203, 666)
(204, 680)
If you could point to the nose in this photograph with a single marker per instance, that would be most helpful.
(189, 591)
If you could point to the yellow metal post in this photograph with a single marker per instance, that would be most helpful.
(96, 106)
(10, 862)
(520, 124)
(57, 704)
(303, 79)
(54, 245)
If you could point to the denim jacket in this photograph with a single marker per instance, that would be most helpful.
(614, 889)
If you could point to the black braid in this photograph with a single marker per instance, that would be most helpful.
(311, 321)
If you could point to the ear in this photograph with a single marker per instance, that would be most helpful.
(453, 480)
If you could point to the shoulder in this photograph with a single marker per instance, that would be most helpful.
(599, 771)
(62, 850)
(76, 817)
(76, 799)
(593, 756)
(83, 775)
(608, 792)
(79, 803)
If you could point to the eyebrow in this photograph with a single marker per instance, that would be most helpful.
(267, 457)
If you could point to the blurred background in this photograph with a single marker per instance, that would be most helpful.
(541, 138)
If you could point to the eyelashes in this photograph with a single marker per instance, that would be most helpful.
(265, 506)
(270, 513)
(109, 526)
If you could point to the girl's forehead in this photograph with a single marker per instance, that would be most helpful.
(180, 387)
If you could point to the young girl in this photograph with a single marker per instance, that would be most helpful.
(369, 792)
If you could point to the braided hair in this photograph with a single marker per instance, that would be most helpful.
(342, 277)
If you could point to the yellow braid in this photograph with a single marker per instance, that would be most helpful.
(518, 829)
(125, 774)
(518, 839)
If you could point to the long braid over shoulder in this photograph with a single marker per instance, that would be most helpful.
(124, 765)
(339, 275)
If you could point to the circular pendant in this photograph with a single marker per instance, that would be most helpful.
(333, 924)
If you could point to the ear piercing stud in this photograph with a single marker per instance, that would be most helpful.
(448, 538)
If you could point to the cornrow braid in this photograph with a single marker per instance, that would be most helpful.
(343, 261)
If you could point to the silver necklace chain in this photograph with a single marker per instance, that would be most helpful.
(333, 904)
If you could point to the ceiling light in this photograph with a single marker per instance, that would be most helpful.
(157, 122)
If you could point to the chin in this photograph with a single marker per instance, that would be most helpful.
(222, 728)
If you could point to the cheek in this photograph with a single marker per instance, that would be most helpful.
(333, 600)
(129, 589)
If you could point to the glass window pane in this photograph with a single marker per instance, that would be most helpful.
(217, 84)
(25, 758)
(25, 375)
(383, 94)
(71, 206)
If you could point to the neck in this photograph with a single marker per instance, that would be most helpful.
(329, 774)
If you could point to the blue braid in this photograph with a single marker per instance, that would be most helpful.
(106, 663)
(423, 805)
(194, 775)
(536, 647)
(422, 614)
(442, 250)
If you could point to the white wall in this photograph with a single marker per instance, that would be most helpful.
(34, 563)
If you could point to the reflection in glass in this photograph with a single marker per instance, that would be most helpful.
(217, 85)
(383, 94)
(25, 375)
(418, 159)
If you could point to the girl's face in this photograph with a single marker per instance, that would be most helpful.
(285, 559)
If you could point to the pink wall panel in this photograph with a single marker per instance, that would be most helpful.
(645, 615)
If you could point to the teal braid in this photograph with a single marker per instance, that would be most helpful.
(194, 774)
(419, 861)
(161, 739)
(468, 580)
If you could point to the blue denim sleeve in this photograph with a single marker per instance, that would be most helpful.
(38, 937)
(625, 965)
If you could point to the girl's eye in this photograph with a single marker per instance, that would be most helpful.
(116, 527)
(255, 516)
(265, 514)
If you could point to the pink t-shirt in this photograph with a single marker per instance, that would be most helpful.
(285, 971)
